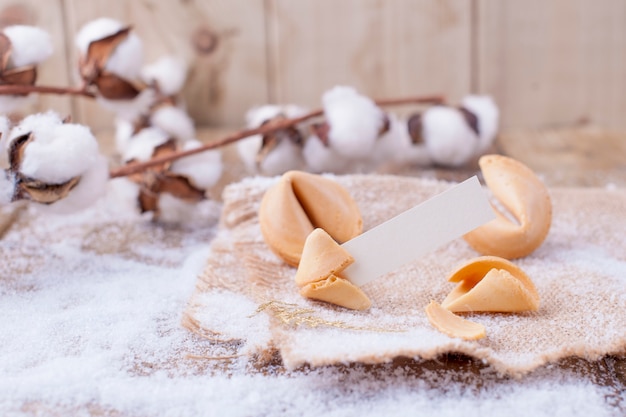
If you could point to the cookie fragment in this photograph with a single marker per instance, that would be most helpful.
(337, 291)
(452, 325)
(491, 284)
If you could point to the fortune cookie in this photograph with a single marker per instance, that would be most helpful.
(301, 202)
(491, 284)
(319, 273)
(523, 194)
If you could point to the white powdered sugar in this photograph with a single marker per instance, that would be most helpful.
(91, 310)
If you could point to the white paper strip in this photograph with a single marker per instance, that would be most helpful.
(417, 231)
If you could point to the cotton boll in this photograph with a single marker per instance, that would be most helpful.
(355, 122)
(126, 60)
(204, 169)
(95, 30)
(90, 188)
(168, 73)
(485, 109)
(123, 133)
(324, 159)
(56, 153)
(121, 197)
(130, 109)
(398, 146)
(320, 158)
(5, 127)
(5, 130)
(63, 152)
(392, 145)
(141, 146)
(286, 156)
(292, 111)
(449, 139)
(175, 210)
(30, 45)
(248, 149)
(41, 123)
(256, 116)
(174, 121)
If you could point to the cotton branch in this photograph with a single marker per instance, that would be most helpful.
(282, 124)
(17, 89)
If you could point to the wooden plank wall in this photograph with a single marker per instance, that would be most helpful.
(547, 63)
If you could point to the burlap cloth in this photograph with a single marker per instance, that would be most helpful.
(579, 271)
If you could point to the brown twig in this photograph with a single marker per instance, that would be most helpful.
(15, 89)
(282, 124)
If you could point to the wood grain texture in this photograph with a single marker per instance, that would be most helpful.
(548, 64)
(54, 70)
(556, 63)
(382, 48)
(221, 40)
(574, 157)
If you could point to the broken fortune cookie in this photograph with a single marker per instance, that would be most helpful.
(491, 284)
(485, 284)
(319, 273)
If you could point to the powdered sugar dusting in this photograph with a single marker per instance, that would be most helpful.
(91, 310)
